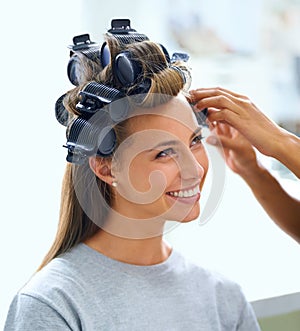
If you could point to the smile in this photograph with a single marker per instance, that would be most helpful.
(185, 193)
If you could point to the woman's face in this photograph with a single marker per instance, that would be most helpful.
(161, 167)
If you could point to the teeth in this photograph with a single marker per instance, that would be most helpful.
(185, 193)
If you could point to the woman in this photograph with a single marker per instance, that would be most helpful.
(109, 267)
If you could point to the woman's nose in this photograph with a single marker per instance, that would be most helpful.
(190, 167)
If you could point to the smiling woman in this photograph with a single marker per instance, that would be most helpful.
(135, 161)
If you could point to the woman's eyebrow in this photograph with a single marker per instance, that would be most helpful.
(175, 142)
(165, 143)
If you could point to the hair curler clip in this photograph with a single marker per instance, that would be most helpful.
(89, 103)
(74, 155)
(95, 96)
(180, 56)
(122, 31)
(82, 42)
(120, 25)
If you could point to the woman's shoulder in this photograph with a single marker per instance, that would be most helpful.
(62, 274)
(51, 293)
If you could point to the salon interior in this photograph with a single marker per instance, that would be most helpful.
(251, 47)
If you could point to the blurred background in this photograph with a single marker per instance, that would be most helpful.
(250, 46)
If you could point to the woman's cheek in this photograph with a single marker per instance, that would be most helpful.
(154, 178)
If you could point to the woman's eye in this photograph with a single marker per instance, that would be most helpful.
(197, 140)
(165, 152)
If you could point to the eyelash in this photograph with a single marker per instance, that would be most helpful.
(170, 151)
(167, 152)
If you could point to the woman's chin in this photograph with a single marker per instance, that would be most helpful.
(187, 216)
(190, 218)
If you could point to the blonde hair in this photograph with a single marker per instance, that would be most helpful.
(74, 224)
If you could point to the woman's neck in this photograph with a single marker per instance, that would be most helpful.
(147, 251)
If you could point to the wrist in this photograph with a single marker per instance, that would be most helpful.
(253, 173)
(286, 144)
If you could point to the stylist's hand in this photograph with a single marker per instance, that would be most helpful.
(225, 106)
(239, 154)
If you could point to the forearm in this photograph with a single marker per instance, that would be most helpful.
(280, 206)
(288, 152)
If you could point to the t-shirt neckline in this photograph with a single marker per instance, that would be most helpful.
(108, 262)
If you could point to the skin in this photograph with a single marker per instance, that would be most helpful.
(233, 118)
(163, 153)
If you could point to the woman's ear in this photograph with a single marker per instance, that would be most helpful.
(102, 169)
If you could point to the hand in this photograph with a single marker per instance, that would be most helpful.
(239, 154)
(238, 111)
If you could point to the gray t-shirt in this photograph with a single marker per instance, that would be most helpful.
(85, 290)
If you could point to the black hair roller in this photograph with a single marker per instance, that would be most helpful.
(88, 138)
(81, 44)
(61, 114)
(122, 31)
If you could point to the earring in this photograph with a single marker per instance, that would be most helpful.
(114, 184)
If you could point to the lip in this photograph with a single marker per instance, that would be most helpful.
(191, 187)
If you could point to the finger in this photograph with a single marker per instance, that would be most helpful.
(213, 91)
(223, 128)
(211, 125)
(235, 94)
(225, 115)
(218, 102)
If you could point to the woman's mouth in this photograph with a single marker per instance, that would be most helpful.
(187, 195)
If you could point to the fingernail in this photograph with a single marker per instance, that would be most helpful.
(212, 140)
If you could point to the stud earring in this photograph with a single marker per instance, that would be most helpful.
(114, 184)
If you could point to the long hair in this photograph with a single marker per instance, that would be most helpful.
(75, 225)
